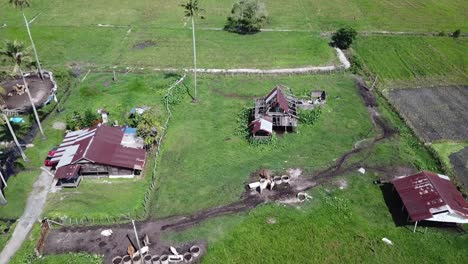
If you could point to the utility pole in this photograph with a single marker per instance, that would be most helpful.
(137, 239)
(32, 104)
(39, 68)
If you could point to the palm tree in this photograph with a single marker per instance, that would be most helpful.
(22, 4)
(191, 11)
(7, 121)
(17, 53)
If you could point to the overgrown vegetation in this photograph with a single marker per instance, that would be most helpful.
(77, 121)
(247, 17)
(148, 126)
(309, 117)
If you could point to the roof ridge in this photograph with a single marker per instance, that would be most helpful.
(89, 144)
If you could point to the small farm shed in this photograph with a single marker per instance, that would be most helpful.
(261, 128)
(318, 97)
(430, 196)
(101, 151)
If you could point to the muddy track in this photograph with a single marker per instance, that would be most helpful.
(88, 239)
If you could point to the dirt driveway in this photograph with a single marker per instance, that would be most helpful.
(32, 213)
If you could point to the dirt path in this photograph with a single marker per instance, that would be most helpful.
(344, 64)
(32, 213)
(88, 239)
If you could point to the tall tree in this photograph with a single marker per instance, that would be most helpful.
(191, 11)
(22, 4)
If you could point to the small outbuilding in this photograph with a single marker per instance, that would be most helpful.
(261, 128)
(428, 196)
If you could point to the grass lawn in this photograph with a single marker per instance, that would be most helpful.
(204, 163)
(172, 48)
(411, 15)
(417, 60)
(336, 226)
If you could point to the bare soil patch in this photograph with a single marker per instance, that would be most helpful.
(39, 89)
(459, 162)
(434, 113)
(145, 44)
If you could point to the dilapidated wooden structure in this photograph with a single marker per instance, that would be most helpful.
(277, 108)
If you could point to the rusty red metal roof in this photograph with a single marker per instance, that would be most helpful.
(277, 97)
(427, 193)
(67, 172)
(102, 145)
(261, 124)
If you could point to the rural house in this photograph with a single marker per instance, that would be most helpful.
(430, 196)
(101, 151)
(277, 108)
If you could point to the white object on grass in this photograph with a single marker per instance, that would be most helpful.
(387, 241)
(362, 170)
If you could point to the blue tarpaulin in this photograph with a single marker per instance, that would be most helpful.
(17, 120)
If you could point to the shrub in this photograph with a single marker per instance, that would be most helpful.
(79, 121)
(343, 38)
(456, 33)
(309, 117)
(247, 17)
(148, 126)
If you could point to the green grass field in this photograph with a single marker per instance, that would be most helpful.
(336, 226)
(416, 60)
(205, 164)
(411, 15)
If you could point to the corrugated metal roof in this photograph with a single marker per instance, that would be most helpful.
(426, 193)
(100, 145)
(277, 97)
(261, 124)
(67, 172)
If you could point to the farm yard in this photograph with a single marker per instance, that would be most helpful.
(126, 54)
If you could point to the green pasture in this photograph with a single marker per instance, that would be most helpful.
(412, 15)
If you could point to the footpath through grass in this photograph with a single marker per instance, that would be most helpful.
(205, 164)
